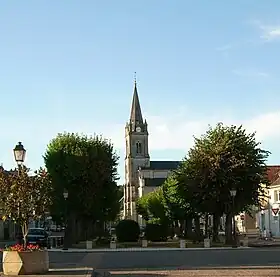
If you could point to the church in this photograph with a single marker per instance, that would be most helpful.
(141, 174)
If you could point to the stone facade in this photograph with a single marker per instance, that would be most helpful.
(141, 174)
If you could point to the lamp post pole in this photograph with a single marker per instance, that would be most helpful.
(65, 196)
(233, 194)
(19, 156)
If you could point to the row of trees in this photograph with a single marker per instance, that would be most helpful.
(225, 158)
(85, 167)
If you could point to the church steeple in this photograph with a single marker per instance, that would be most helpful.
(136, 114)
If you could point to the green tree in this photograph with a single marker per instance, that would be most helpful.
(151, 206)
(179, 206)
(224, 158)
(87, 168)
(24, 197)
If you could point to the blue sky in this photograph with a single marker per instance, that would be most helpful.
(68, 66)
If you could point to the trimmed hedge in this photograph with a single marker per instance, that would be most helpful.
(156, 232)
(127, 231)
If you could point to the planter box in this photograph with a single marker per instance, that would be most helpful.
(26, 262)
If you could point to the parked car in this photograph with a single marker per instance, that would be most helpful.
(38, 236)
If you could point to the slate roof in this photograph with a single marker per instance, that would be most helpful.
(163, 165)
(154, 182)
(136, 114)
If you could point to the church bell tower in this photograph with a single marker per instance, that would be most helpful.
(137, 155)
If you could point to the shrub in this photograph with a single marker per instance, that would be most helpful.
(127, 231)
(156, 232)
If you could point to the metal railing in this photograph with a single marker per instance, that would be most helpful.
(55, 241)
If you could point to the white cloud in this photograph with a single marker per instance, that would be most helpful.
(250, 73)
(268, 32)
(267, 126)
(170, 131)
(176, 132)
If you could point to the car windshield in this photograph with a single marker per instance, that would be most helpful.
(39, 232)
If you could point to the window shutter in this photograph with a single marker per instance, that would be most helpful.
(275, 196)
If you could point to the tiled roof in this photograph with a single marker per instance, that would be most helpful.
(154, 182)
(163, 165)
(272, 172)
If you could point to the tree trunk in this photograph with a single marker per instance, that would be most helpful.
(228, 228)
(206, 225)
(216, 224)
(24, 229)
(69, 230)
(197, 228)
(181, 227)
(188, 227)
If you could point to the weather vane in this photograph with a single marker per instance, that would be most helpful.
(135, 77)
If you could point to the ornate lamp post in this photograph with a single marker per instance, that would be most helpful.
(233, 194)
(19, 154)
(65, 196)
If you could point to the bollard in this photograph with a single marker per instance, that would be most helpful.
(113, 244)
(89, 244)
(144, 243)
(182, 243)
(206, 243)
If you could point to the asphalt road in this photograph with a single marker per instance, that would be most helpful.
(168, 259)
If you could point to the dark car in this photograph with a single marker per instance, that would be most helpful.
(38, 236)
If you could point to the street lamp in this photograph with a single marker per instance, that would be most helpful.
(233, 194)
(19, 153)
(65, 196)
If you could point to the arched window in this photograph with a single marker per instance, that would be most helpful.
(138, 147)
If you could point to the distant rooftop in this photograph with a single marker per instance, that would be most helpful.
(163, 165)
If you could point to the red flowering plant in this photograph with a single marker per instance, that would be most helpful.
(21, 248)
(24, 197)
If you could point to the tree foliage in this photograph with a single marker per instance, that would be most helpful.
(177, 206)
(224, 158)
(24, 197)
(87, 168)
(151, 206)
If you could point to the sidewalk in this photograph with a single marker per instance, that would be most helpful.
(74, 250)
(264, 243)
(258, 272)
(78, 272)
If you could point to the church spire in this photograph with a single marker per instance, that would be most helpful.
(136, 114)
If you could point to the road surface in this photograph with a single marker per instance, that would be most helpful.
(168, 259)
(200, 273)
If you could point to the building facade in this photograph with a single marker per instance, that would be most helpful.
(141, 174)
(268, 219)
